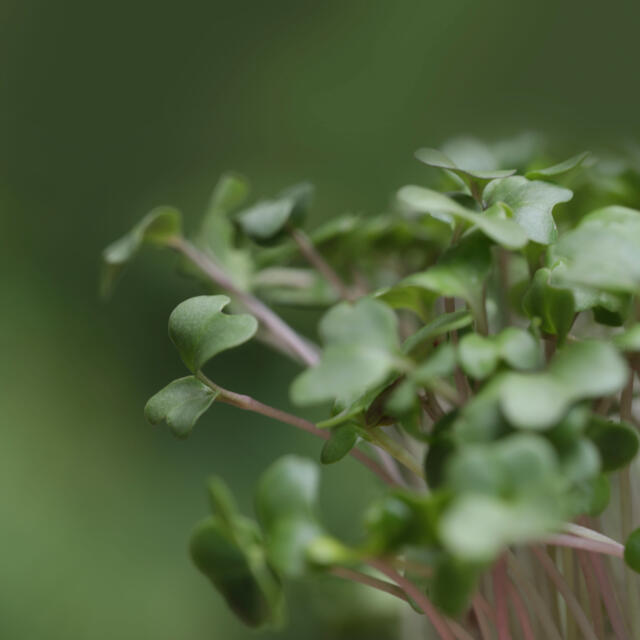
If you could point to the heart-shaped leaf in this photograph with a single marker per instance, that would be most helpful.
(586, 369)
(200, 329)
(362, 350)
(494, 222)
(180, 404)
(532, 203)
(158, 228)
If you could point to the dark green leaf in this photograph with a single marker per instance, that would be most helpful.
(617, 442)
(240, 574)
(342, 440)
(441, 324)
(180, 404)
(553, 306)
(200, 330)
(454, 583)
(632, 551)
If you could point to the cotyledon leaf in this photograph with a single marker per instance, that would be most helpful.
(200, 329)
(180, 404)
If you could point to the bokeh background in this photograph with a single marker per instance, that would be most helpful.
(110, 108)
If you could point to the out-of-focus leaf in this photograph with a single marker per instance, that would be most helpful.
(559, 169)
(342, 440)
(632, 551)
(629, 340)
(238, 571)
(586, 369)
(158, 227)
(454, 583)
(441, 324)
(362, 349)
(478, 355)
(553, 306)
(617, 442)
(180, 404)
(200, 330)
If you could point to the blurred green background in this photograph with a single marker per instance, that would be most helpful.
(110, 108)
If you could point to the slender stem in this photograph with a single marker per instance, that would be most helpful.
(395, 450)
(500, 596)
(370, 581)
(590, 534)
(290, 341)
(572, 603)
(439, 623)
(608, 596)
(251, 404)
(483, 623)
(568, 571)
(462, 383)
(521, 612)
(591, 583)
(539, 606)
(606, 548)
(314, 258)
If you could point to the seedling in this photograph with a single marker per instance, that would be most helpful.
(478, 355)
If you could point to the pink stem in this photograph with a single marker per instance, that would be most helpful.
(521, 612)
(420, 598)
(596, 546)
(591, 583)
(500, 595)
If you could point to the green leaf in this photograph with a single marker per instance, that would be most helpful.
(518, 348)
(494, 222)
(454, 584)
(460, 272)
(532, 203)
(632, 551)
(586, 369)
(478, 356)
(362, 350)
(440, 364)
(288, 543)
(267, 220)
(180, 404)
(441, 324)
(603, 251)
(617, 442)
(217, 232)
(477, 527)
(629, 340)
(470, 175)
(342, 440)
(590, 497)
(288, 488)
(200, 330)
(238, 571)
(553, 306)
(158, 228)
(558, 169)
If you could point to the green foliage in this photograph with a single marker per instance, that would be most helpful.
(200, 330)
(485, 345)
(180, 404)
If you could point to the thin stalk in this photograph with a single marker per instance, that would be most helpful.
(500, 596)
(462, 384)
(521, 612)
(248, 403)
(606, 548)
(396, 451)
(483, 623)
(572, 603)
(608, 596)
(369, 581)
(626, 514)
(590, 534)
(316, 260)
(439, 623)
(568, 570)
(595, 606)
(539, 606)
(289, 341)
